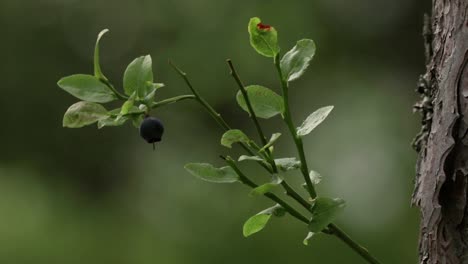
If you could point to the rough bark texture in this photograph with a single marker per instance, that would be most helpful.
(442, 170)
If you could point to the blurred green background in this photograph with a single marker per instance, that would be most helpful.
(103, 196)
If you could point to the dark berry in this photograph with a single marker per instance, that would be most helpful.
(151, 129)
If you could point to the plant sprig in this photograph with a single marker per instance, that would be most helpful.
(258, 101)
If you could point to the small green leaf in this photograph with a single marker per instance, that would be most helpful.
(308, 238)
(267, 187)
(287, 164)
(245, 157)
(157, 86)
(324, 212)
(97, 67)
(137, 76)
(128, 105)
(115, 111)
(313, 120)
(272, 149)
(315, 177)
(233, 136)
(87, 88)
(118, 119)
(263, 38)
(153, 87)
(83, 113)
(112, 121)
(209, 173)
(295, 62)
(265, 102)
(272, 141)
(133, 110)
(257, 222)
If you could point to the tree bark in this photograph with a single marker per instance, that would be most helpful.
(441, 184)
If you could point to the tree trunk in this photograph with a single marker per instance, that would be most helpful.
(441, 185)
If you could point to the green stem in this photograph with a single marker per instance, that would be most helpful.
(172, 100)
(117, 93)
(216, 116)
(289, 190)
(352, 244)
(293, 194)
(200, 99)
(161, 103)
(292, 129)
(253, 116)
(333, 229)
(262, 154)
(273, 169)
(245, 180)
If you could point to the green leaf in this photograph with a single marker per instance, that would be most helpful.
(115, 111)
(295, 62)
(133, 110)
(257, 222)
(315, 177)
(112, 121)
(267, 187)
(209, 173)
(87, 88)
(308, 238)
(324, 212)
(137, 76)
(265, 102)
(156, 86)
(83, 113)
(287, 164)
(272, 141)
(153, 87)
(97, 67)
(313, 120)
(245, 157)
(233, 136)
(128, 105)
(263, 38)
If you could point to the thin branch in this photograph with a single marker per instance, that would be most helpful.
(117, 93)
(247, 101)
(363, 252)
(216, 116)
(253, 116)
(245, 180)
(292, 130)
(332, 228)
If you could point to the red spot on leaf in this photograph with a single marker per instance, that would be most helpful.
(263, 26)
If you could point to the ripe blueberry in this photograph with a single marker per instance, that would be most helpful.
(151, 129)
